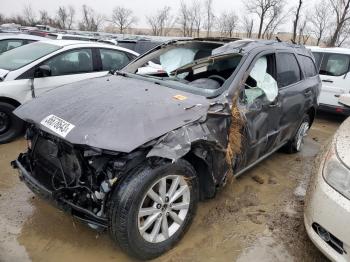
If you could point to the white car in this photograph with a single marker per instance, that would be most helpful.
(327, 205)
(11, 41)
(333, 65)
(30, 70)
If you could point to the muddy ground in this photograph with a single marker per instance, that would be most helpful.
(258, 216)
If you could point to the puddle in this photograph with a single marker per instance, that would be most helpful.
(265, 249)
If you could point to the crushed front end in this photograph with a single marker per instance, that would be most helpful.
(76, 179)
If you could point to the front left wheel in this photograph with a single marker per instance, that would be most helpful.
(152, 209)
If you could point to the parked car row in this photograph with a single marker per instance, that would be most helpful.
(131, 143)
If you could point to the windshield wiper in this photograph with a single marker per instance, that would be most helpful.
(117, 73)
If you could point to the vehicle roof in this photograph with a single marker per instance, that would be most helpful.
(68, 43)
(73, 35)
(247, 45)
(338, 50)
(21, 36)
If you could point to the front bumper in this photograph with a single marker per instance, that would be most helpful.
(80, 213)
(327, 208)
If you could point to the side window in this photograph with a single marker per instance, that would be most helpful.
(113, 59)
(6, 45)
(71, 62)
(318, 59)
(308, 66)
(261, 83)
(335, 64)
(288, 71)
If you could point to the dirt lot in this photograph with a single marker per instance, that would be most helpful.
(259, 215)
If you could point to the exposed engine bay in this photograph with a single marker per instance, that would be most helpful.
(80, 180)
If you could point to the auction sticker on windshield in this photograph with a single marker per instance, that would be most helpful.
(57, 125)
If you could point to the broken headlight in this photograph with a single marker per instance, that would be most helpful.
(336, 174)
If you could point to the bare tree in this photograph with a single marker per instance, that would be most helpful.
(209, 19)
(123, 18)
(65, 17)
(2, 18)
(197, 16)
(185, 19)
(344, 36)
(71, 15)
(161, 21)
(29, 15)
(274, 18)
(44, 17)
(296, 20)
(342, 16)
(304, 32)
(91, 21)
(227, 23)
(62, 17)
(261, 8)
(319, 21)
(247, 26)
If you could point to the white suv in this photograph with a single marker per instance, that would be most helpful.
(30, 70)
(333, 65)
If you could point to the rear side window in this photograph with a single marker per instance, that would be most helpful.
(113, 59)
(6, 45)
(335, 64)
(288, 71)
(308, 66)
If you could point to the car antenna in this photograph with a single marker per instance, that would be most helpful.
(278, 39)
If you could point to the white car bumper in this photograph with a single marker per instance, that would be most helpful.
(327, 208)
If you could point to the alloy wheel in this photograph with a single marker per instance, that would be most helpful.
(164, 208)
(302, 132)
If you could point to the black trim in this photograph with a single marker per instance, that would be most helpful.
(84, 215)
(96, 59)
(334, 109)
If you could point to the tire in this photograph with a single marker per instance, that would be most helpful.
(128, 199)
(296, 143)
(10, 125)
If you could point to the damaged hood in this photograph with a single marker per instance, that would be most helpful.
(114, 112)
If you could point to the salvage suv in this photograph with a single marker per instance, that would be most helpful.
(135, 153)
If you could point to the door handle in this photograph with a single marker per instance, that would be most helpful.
(327, 81)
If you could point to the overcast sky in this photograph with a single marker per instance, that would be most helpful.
(141, 8)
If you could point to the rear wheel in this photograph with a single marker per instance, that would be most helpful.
(10, 125)
(153, 208)
(296, 144)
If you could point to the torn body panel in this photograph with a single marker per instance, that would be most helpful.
(206, 138)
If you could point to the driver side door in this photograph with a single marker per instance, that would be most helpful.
(262, 109)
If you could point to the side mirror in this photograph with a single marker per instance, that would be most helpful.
(42, 71)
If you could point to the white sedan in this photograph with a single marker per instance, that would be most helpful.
(11, 41)
(30, 70)
(327, 206)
